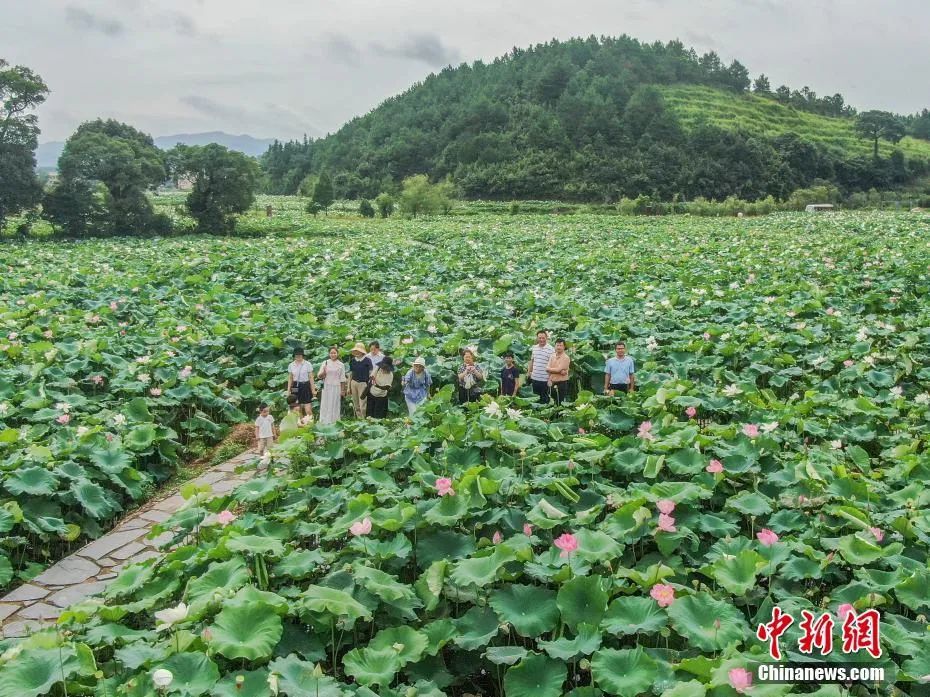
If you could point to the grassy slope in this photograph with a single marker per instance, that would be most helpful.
(751, 113)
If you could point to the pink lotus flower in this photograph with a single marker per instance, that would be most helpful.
(844, 610)
(185, 372)
(667, 523)
(691, 412)
(63, 419)
(830, 310)
(740, 680)
(581, 431)
(444, 487)
(665, 506)
(527, 529)
(767, 537)
(567, 542)
(114, 306)
(97, 379)
(849, 363)
(224, 518)
(155, 392)
(706, 336)
(750, 430)
(361, 527)
(645, 431)
(877, 532)
(571, 465)
(663, 594)
(497, 538)
(715, 467)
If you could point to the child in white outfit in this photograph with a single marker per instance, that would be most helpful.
(264, 429)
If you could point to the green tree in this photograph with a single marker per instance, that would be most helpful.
(21, 90)
(385, 204)
(874, 125)
(126, 163)
(761, 85)
(224, 185)
(365, 209)
(323, 195)
(419, 197)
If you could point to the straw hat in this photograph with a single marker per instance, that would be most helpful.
(419, 361)
(359, 348)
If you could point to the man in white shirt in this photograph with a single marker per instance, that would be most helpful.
(537, 369)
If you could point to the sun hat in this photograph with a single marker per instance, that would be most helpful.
(358, 348)
(387, 363)
(419, 361)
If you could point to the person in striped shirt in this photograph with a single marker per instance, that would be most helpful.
(539, 362)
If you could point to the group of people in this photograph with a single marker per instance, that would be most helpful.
(369, 377)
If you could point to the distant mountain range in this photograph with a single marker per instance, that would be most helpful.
(47, 154)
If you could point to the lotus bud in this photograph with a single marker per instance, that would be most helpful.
(921, 618)
(273, 683)
(717, 623)
(665, 632)
(584, 664)
(397, 647)
(98, 675)
(317, 671)
(505, 627)
(162, 678)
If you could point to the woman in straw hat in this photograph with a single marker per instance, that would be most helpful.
(471, 377)
(360, 369)
(416, 384)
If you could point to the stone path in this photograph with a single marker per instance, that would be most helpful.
(87, 571)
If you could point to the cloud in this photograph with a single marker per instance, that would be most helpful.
(341, 49)
(88, 21)
(426, 48)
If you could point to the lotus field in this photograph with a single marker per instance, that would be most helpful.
(774, 455)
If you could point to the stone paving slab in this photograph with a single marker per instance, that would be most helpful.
(87, 571)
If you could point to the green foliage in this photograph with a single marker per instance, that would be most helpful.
(323, 195)
(224, 185)
(125, 163)
(385, 204)
(365, 209)
(420, 197)
(596, 120)
(21, 90)
(875, 125)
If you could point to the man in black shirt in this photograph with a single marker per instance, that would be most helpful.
(360, 368)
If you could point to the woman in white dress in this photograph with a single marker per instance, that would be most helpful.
(333, 375)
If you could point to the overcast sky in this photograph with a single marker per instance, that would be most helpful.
(282, 68)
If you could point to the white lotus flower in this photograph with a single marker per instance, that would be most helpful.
(162, 678)
(266, 459)
(119, 420)
(769, 427)
(836, 444)
(144, 378)
(732, 390)
(142, 360)
(82, 431)
(493, 409)
(63, 406)
(869, 360)
(819, 360)
(431, 329)
(50, 355)
(922, 398)
(862, 334)
(897, 390)
(273, 683)
(514, 413)
(4, 407)
(171, 616)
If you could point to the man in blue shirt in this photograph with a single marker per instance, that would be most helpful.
(619, 373)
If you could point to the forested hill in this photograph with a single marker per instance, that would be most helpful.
(598, 119)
